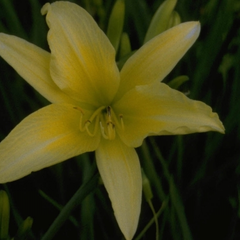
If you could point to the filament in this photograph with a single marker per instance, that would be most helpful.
(103, 118)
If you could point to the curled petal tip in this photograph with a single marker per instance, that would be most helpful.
(45, 8)
(221, 128)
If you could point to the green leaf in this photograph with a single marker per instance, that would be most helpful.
(115, 25)
(161, 19)
(178, 205)
(178, 81)
(24, 229)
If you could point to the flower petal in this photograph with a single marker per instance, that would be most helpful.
(46, 137)
(32, 63)
(83, 60)
(155, 59)
(121, 174)
(160, 110)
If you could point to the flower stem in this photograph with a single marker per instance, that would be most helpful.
(77, 198)
(155, 218)
(164, 204)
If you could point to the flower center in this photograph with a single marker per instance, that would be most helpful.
(104, 119)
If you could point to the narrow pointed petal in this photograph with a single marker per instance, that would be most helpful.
(83, 60)
(32, 63)
(46, 137)
(155, 59)
(121, 174)
(160, 110)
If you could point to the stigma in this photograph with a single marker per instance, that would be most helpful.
(104, 120)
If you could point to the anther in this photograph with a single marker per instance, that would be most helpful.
(79, 109)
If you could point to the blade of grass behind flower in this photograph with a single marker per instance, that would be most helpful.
(233, 117)
(77, 198)
(150, 171)
(177, 203)
(212, 45)
(57, 206)
(140, 17)
(39, 29)
(174, 196)
(13, 23)
(164, 205)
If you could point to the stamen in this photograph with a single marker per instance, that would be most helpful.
(79, 109)
(111, 130)
(85, 126)
(116, 120)
(109, 111)
(107, 121)
(96, 113)
(110, 124)
(121, 120)
(102, 131)
(88, 122)
(108, 131)
(81, 128)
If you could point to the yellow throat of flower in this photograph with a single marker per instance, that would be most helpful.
(105, 119)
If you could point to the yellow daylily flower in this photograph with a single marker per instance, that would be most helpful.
(97, 108)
